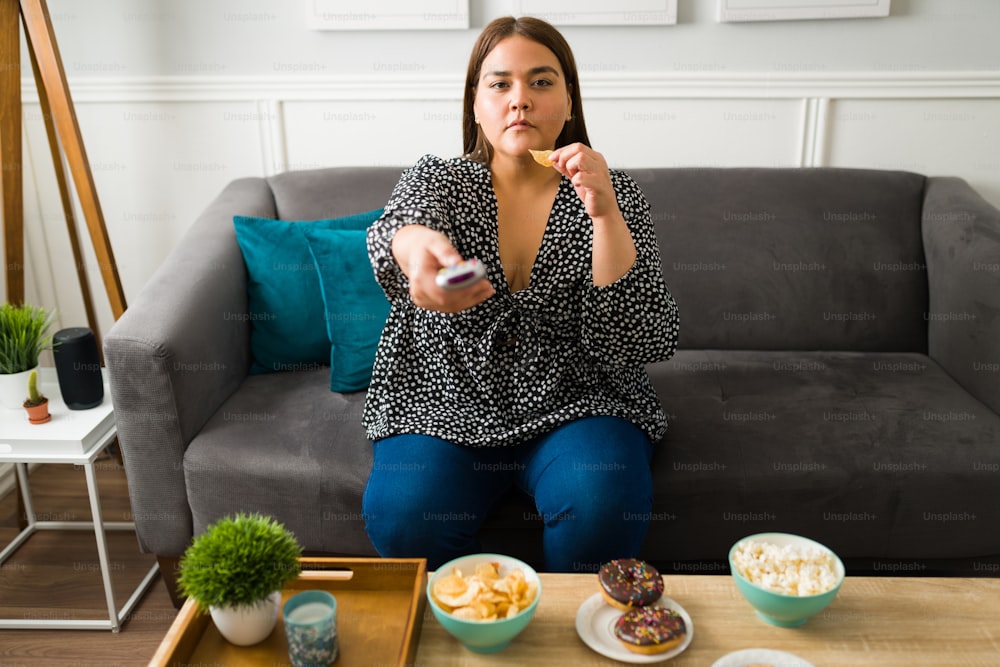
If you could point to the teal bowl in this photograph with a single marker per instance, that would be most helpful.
(484, 636)
(787, 611)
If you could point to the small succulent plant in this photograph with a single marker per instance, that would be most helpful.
(35, 397)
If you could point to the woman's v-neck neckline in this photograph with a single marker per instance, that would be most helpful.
(550, 223)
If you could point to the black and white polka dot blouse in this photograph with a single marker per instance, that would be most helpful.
(519, 364)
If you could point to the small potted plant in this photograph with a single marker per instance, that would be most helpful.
(36, 405)
(236, 570)
(23, 336)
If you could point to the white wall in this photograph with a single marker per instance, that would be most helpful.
(176, 99)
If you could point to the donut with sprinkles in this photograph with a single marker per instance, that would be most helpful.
(650, 630)
(628, 583)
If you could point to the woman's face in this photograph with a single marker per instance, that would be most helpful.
(521, 99)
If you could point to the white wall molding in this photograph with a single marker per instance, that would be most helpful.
(268, 95)
(618, 85)
(813, 130)
(795, 85)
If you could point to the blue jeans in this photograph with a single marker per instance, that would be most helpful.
(590, 480)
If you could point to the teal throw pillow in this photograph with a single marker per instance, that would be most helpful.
(356, 306)
(285, 302)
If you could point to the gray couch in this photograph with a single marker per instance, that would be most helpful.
(838, 377)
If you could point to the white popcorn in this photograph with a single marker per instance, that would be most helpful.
(791, 569)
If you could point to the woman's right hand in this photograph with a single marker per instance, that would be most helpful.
(421, 252)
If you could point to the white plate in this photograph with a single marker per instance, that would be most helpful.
(767, 656)
(595, 623)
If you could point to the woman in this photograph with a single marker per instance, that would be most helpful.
(533, 376)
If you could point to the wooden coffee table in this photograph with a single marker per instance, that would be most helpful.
(877, 621)
(883, 621)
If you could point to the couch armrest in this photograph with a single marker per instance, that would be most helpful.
(961, 233)
(178, 352)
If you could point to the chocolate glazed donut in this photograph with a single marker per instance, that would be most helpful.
(628, 583)
(650, 630)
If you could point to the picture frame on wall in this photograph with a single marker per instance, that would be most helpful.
(387, 15)
(601, 12)
(734, 11)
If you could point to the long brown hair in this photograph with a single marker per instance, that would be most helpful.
(475, 145)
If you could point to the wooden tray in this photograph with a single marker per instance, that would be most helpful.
(380, 609)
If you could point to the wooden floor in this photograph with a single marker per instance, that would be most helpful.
(56, 575)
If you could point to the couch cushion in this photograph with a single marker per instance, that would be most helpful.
(356, 306)
(307, 194)
(793, 259)
(877, 474)
(876, 455)
(284, 297)
(303, 458)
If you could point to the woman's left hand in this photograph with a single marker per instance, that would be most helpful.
(588, 171)
(614, 251)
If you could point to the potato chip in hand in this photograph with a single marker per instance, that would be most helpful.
(542, 157)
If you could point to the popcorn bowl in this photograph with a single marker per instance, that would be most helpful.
(784, 609)
(484, 636)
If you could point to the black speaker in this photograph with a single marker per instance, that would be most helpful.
(78, 367)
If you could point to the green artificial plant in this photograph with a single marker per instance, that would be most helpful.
(23, 336)
(35, 397)
(239, 560)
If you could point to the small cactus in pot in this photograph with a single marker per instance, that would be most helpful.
(37, 405)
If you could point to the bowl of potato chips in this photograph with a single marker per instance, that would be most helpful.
(484, 600)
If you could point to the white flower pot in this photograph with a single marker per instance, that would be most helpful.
(14, 389)
(247, 624)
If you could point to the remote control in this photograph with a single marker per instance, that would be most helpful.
(461, 275)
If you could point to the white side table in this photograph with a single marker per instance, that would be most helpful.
(74, 437)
